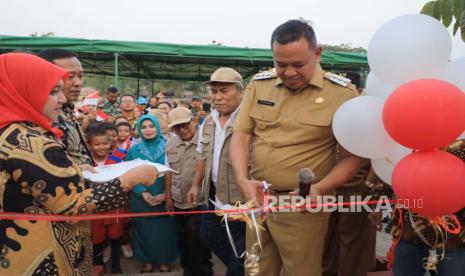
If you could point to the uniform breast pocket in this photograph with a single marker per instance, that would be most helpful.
(203, 145)
(265, 121)
(314, 125)
(174, 161)
(176, 193)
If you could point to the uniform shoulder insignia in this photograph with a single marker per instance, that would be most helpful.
(337, 79)
(269, 74)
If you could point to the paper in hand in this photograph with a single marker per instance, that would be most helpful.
(109, 172)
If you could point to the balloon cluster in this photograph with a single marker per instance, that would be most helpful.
(414, 107)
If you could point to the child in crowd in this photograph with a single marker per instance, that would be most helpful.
(99, 145)
(120, 119)
(123, 143)
(112, 133)
(124, 132)
(101, 230)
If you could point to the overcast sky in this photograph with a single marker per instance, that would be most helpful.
(233, 23)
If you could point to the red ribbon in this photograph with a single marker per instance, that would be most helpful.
(54, 217)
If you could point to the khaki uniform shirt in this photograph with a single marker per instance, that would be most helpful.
(181, 157)
(292, 130)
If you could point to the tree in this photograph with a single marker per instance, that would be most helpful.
(344, 47)
(129, 85)
(36, 34)
(448, 11)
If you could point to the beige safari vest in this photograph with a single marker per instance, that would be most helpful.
(292, 130)
(182, 157)
(226, 187)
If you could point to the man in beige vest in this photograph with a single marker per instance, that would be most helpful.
(288, 112)
(181, 151)
(213, 166)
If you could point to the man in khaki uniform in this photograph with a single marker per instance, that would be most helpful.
(288, 112)
(127, 105)
(226, 90)
(351, 238)
(181, 151)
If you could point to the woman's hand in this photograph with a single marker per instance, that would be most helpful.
(158, 199)
(89, 168)
(148, 198)
(143, 174)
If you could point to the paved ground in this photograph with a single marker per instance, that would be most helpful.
(132, 267)
(383, 242)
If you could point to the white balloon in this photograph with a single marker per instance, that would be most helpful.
(378, 88)
(384, 167)
(358, 127)
(461, 137)
(454, 72)
(409, 47)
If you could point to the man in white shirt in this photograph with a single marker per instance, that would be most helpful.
(214, 169)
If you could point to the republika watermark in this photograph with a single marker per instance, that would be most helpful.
(331, 203)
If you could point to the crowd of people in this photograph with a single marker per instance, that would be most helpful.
(222, 146)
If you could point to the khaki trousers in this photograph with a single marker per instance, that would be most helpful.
(350, 240)
(292, 242)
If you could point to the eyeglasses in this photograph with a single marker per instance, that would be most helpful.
(127, 101)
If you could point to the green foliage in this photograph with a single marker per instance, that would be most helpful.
(462, 25)
(36, 34)
(446, 7)
(344, 47)
(146, 87)
(433, 9)
(448, 11)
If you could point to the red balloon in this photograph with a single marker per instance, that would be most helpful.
(431, 183)
(425, 114)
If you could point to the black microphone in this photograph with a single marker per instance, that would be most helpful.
(306, 177)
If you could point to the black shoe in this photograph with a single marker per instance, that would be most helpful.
(98, 254)
(116, 256)
(116, 270)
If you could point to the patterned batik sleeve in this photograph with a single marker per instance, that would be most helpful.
(43, 169)
(109, 195)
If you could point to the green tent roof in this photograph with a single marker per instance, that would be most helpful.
(169, 61)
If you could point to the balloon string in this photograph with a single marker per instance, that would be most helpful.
(231, 239)
(450, 224)
(395, 239)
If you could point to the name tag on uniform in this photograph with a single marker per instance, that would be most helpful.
(265, 102)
